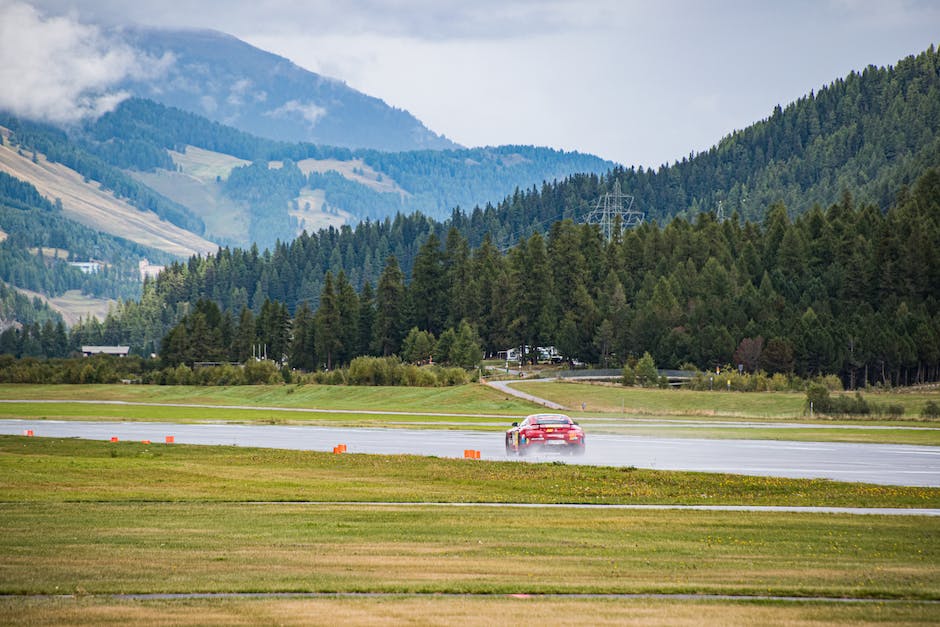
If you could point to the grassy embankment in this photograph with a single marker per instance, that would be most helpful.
(99, 518)
(688, 413)
(463, 399)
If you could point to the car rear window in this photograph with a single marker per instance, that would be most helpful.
(553, 421)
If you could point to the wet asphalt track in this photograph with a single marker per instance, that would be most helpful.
(887, 464)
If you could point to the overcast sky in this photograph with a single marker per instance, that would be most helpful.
(641, 83)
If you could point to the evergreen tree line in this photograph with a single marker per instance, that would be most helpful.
(847, 290)
(21, 195)
(346, 326)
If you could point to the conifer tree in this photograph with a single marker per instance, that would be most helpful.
(389, 298)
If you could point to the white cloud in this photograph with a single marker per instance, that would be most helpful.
(638, 82)
(208, 104)
(309, 111)
(237, 91)
(59, 70)
(421, 19)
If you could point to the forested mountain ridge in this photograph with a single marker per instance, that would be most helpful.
(851, 288)
(227, 80)
(871, 133)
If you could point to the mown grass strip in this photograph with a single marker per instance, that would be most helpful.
(814, 434)
(445, 611)
(90, 410)
(46, 469)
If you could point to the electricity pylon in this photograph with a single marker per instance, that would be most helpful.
(613, 209)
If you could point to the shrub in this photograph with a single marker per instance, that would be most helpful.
(856, 406)
(419, 377)
(894, 410)
(817, 399)
(780, 382)
(629, 376)
(375, 371)
(261, 373)
(832, 382)
(646, 373)
(931, 410)
(337, 377)
(453, 376)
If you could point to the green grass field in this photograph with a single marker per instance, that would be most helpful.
(92, 518)
(616, 399)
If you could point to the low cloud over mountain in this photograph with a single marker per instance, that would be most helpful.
(59, 70)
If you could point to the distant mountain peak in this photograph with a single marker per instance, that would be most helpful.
(230, 81)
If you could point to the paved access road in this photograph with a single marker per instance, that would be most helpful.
(887, 464)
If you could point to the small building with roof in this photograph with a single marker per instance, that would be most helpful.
(120, 351)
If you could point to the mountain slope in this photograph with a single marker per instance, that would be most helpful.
(283, 188)
(99, 209)
(230, 81)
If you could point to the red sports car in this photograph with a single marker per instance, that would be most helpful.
(545, 432)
